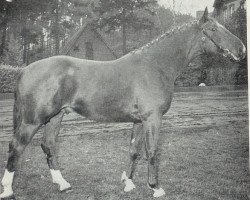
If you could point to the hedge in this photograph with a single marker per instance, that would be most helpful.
(8, 77)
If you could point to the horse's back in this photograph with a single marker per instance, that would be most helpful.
(49, 85)
(100, 90)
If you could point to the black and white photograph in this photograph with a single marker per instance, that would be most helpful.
(124, 100)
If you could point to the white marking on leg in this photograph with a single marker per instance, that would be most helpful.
(129, 185)
(133, 140)
(7, 184)
(158, 192)
(58, 178)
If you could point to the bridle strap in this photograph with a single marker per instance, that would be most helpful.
(210, 38)
(225, 52)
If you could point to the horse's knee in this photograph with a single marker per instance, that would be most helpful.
(25, 138)
(25, 133)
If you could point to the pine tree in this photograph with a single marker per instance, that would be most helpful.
(124, 14)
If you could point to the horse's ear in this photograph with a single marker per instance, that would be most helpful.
(204, 18)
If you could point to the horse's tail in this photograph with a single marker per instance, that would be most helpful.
(17, 115)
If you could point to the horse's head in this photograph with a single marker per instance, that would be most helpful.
(215, 38)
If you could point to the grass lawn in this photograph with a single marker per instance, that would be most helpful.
(205, 160)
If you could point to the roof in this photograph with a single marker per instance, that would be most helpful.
(219, 3)
(73, 40)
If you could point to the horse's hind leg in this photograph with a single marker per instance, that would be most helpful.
(135, 148)
(21, 139)
(49, 147)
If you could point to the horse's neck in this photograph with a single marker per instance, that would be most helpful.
(170, 54)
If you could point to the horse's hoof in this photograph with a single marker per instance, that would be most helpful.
(7, 194)
(12, 197)
(129, 185)
(158, 192)
(64, 186)
(66, 190)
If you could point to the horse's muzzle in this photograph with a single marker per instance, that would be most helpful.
(242, 52)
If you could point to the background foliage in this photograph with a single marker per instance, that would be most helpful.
(8, 77)
(33, 29)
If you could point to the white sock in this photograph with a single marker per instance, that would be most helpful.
(58, 178)
(7, 184)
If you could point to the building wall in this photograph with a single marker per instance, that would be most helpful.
(227, 9)
(100, 50)
(199, 14)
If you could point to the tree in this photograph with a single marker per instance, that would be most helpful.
(13, 55)
(5, 11)
(166, 18)
(124, 14)
(19, 20)
(237, 24)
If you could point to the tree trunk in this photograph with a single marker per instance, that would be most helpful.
(24, 51)
(4, 30)
(57, 39)
(124, 33)
(124, 39)
(3, 40)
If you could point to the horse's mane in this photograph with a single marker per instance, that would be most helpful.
(167, 34)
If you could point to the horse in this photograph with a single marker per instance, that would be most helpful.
(137, 88)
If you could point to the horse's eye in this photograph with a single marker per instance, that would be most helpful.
(213, 29)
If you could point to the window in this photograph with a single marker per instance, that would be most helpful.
(225, 14)
(76, 48)
(228, 11)
(231, 9)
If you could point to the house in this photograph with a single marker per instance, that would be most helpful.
(88, 43)
(200, 13)
(223, 9)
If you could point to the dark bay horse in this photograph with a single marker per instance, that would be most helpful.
(137, 88)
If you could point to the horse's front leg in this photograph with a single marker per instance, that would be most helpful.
(151, 128)
(135, 147)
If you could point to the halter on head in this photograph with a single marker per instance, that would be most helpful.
(221, 39)
(223, 51)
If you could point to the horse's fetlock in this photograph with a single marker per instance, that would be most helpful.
(151, 154)
(11, 146)
(135, 156)
(152, 185)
